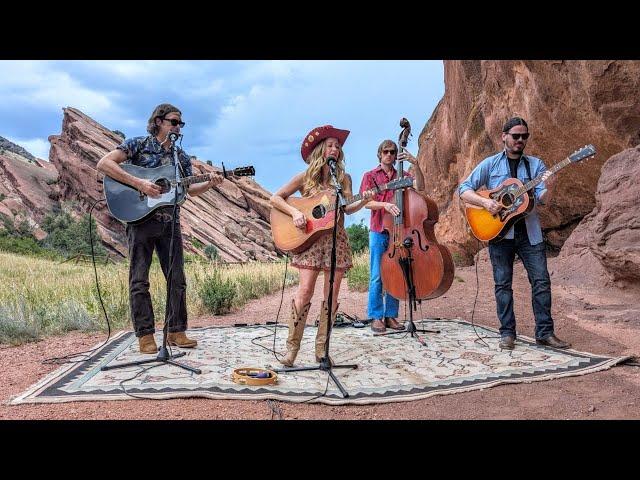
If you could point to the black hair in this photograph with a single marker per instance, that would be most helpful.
(512, 122)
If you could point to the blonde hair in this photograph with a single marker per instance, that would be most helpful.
(313, 175)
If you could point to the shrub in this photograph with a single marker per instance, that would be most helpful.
(358, 236)
(217, 294)
(70, 237)
(211, 252)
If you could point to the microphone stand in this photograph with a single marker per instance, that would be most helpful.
(163, 352)
(325, 363)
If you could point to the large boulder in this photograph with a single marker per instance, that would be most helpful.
(606, 244)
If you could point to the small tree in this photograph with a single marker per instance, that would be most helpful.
(358, 236)
(70, 237)
(212, 252)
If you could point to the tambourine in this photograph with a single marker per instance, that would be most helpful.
(254, 376)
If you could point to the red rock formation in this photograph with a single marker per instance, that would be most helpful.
(606, 244)
(567, 104)
(28, 191)
(233, 216)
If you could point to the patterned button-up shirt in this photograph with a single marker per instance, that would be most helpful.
(147, 152)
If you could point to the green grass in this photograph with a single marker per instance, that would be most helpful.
(358, 275)
(41, 297)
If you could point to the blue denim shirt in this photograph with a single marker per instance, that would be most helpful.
(147, 152)
(494, 170)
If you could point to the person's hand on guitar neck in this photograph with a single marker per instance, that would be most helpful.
(549, 182)
(216, 179)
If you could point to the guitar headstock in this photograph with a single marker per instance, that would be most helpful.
(585, 152)
(240, 172)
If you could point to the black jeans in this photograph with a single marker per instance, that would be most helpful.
(155, 233)
(534, 258)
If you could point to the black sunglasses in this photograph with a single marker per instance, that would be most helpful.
(174, 122)
(517, 136)
(391, 152)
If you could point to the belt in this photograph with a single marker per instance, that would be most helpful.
(163, 217)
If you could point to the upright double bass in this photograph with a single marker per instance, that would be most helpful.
(414, 258)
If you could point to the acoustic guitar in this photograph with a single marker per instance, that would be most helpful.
(515, 199)
(318, 210)
(130, 205)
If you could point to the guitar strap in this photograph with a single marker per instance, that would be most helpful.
(526, 165)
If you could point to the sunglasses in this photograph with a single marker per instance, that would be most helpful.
(174, 122)
(389, 152)
(517, 136)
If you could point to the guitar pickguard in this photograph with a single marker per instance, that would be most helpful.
(165, 198)
(507, 199)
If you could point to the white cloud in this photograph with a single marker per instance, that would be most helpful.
(42, 85)
(240, 112)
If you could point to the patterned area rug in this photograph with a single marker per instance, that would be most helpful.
(390, 368)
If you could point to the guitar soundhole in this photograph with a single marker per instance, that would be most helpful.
(318, 211)
(164, 184)
(507, 200)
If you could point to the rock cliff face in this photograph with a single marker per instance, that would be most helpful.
(567, 104)
(28, 187)
(233, 217)
(605, 247)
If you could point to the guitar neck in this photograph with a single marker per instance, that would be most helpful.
(357, 197)
(531, 184)
(195, 179)
(203, 178)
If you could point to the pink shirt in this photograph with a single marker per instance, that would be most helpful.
(380, 177)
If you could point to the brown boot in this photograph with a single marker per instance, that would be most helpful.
(323, 330)
(297, 322)
(180, 339)
(147, 344)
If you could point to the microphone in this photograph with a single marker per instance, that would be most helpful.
(173, 136)
(331, 161)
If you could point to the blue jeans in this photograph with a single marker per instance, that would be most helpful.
(534, 258)
(379, 305)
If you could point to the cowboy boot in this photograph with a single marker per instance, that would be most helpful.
(147, 344)
(180, 339)
(297, 322)
(323, 330)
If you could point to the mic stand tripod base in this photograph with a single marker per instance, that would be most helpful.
(411, 329)
(163, 356)
(324, 366)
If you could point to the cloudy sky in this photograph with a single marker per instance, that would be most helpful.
(237, 112)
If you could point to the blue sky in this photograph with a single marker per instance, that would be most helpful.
(237, 112)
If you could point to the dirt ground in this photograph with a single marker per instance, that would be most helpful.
(604, 321)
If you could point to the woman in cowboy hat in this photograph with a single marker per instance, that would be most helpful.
(318, 145)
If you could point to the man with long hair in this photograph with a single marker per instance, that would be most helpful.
(154, 233)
